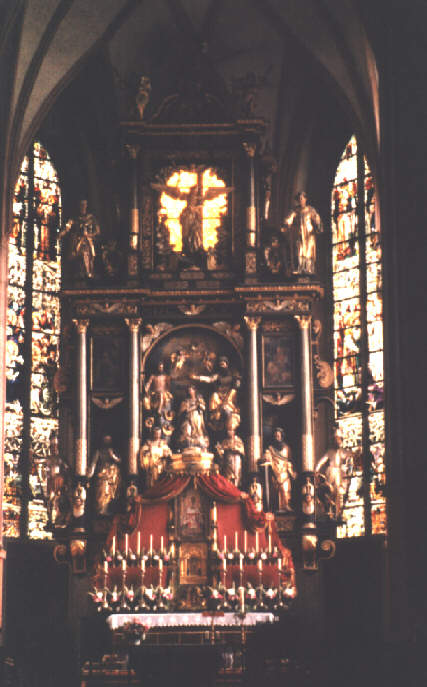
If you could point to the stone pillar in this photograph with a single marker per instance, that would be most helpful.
(134, 325)
(254, 449)
(133, 151)
(81, 444)
(251, 228)
(308, 524)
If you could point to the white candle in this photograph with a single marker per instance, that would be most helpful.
(260, 565)
(256, 542)
(236, 541)
(225, 542)
(279, 563)
(245, 541)
(224, 564)
(138, 544)
(241, 562)
(126, 544)
(143, 564)
(269, 543)
(173, 549)
(151, 544)
(161, 543)
(160, 565)
(113, 548)
(106, 567)
(242, 599)
(214, 513)
(124, 564)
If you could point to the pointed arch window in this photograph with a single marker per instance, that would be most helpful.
(358, 340)
(33, 322)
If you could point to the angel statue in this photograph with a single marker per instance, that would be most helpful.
(191, 217)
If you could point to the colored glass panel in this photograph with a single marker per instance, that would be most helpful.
(40, 214)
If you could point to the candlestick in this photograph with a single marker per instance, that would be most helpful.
(113, 548)
(245, 541)
(256, 542)
(161, 544)
(236, 541)
(151, 544)
(126, 544)
(225, 542)
(138, 544)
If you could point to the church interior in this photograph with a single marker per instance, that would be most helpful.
(212, 304)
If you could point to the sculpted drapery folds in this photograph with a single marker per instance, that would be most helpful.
(301, 227)
(153, 456)
(278, 455)
(191, 421)
(224, 413)
(83, 232)
(105, 468)
(158, 399)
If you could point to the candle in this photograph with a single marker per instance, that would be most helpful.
(126, 544)
(279, 563)
(151, 544)
(173, 549)
(256, 542)
(242, 599)
(143, 565)
(236, 541)
(269, 543)
(241, 562)
(161, 544)
(124, 564)
(225, 542)
(114, 546)
(224, 564)
(160, 565)
(106, 567)
(245, 541)
(138, 544)
(214, 513)
(260, 565)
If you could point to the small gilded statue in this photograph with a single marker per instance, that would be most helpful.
(153, 456)
(255, 492)
(106, 472)
(83, 232)
(142, 97)
(301, 227)
(191, 421)
(58, 486)
(278, 455)
(333, 474)
(231, 452)
(224, 413)
(158, 399)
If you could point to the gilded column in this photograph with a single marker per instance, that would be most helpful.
(134, 326)
(81, 438)
(254, 449)
(251, 229)
(309, 535)
(133, 151)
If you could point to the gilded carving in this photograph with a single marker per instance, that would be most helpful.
(231, 331)
(153, 332)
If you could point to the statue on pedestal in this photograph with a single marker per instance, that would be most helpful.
(191, 421)
(105, 467)
(83, 232)
(255, 492)
(224, 413)
(158, 398)
(278, 455)
(301, 227)
(58, 486)
(333, 473)
(231, 452)
(153, 456)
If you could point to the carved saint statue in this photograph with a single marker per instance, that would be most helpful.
(278, 454)
(191, 421)
(224, 413)
(58, 479)
(273, 256)
(333, 473)
(105, 468)
(83, 232)
(143, 95)
(231, 452)
(301, 226)
(255, 492)
(158, 399)
(153, 456)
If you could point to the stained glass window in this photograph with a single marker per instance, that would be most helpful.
(31, 419)
(358, 340)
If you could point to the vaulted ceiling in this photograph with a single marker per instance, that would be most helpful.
(303, 51)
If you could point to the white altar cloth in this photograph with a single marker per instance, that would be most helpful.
(151, 620)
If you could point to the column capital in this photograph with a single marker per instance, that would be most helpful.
(249, 148)
(81, 325)
(304, 321)
(252, 323)
(133, 323)
(133, 150)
